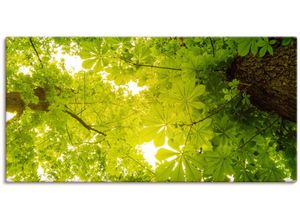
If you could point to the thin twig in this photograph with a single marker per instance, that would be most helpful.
(212, 45)
(210, 115)
(84, 123)
(36, 52)
(256, 134)
(69, 135)
(158, 67)
(127, 155)
(150, 66)
(245, 84)
(188, 135)
(140, 164)
(84, 90)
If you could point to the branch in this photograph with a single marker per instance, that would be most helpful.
(69, 135)
(36, 52)
(213, 113)
(150, 66)
(212, 45)
(158, 67)
(256, 134)
(187, 136)
(83, 123)
(154, 66)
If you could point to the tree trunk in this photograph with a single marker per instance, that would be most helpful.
(271, 80)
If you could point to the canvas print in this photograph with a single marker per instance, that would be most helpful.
(151, 109)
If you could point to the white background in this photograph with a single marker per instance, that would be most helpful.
(155, 18)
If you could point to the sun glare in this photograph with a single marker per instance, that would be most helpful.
(131, 86)
(41, 174)
(134, 88)
(72, 63)
(10, 115)
(25, 70)
(149, 150)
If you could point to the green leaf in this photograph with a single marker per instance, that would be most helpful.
(263, 51)
(262, 42)
(85, 54)
(163, 154)
(176, 141)
(158, 124)
(219, 163)
(254, 48)
(286, 41)
(184, 167)
(271, 174)
(192, 172)
(164, 171)
(225, 132)
(197, 91)
(98, 66)
(202, 134)
(148, 133)
(270, 50)
(159, 138)
(88, 64)
(102, 121)
(178, 174)
(185, 95)
(244, 46)
(197, 105)
(272, 42)
(94, 54)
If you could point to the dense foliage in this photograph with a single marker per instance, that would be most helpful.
(205, 128)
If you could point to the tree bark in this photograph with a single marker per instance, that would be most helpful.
(271, 80)
(14, 102)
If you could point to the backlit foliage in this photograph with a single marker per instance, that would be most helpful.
(205, 129)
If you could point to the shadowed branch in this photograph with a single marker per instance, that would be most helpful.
(84, 123)
(36, 52)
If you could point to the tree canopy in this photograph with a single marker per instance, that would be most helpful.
(91, 123)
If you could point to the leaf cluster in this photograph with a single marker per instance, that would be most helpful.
(204, 129)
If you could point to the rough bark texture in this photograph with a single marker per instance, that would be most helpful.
(14, 103)
(270, 80)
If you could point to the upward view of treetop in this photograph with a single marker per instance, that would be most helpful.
(149, 109)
